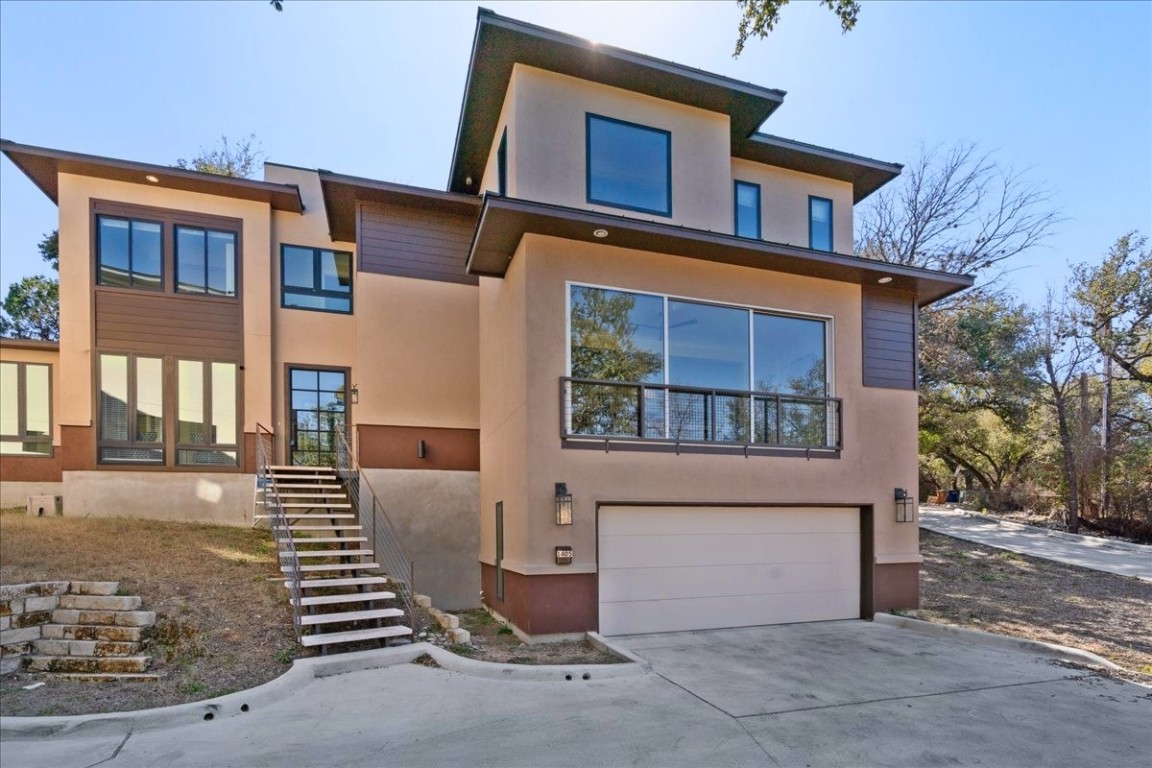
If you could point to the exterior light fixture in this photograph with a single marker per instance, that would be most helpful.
(564, 555)
(904, 513)
(467, 181)
(884, 280)
(152, 179)
(421, 449)
(600, 233)
(563, 505)
(355, 393)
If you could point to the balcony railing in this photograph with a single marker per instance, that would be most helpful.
(635, 411)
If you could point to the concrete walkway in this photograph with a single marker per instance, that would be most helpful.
(1119, 557)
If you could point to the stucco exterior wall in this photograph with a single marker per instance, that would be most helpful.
(491, 181)
(784, 203)
(880, 447)
(200, 497)
(550, 155)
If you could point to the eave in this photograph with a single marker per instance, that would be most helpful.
(504, 222)
(37, 344)
(342, 194)
(43, 167)
(865, 174)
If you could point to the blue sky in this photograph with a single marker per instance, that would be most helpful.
(1064, 89)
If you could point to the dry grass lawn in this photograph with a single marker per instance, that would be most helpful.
(223, 623)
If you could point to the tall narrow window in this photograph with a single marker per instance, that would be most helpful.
(315, 278)
(206, 433)
(129, 253)
(131, 410)
(747, 200)
(205, 261)
(819, 224)
(502, 164)
(25, 409)
(629, 165)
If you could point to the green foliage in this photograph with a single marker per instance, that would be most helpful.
(238, 159)
(49, 248)
(1116, 301)
(761, 17)
(31, 309)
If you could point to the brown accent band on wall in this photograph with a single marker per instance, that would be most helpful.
(387, 447)
(415, 242)
(545, 604)
(897, 586)
(889, 325)
(167, 324)
(249, 453)
(32, 469)
(78, 448)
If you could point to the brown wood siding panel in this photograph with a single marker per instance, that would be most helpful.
(386, 447)
(897, 586)
(77, 448)
(32, 469)
(544, 604)
(164, 324)
(889, 338)
(413, 242)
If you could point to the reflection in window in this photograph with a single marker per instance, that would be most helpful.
(128, 253)
(131, 410)
(747, 210)
(25, 409)
(819, 224)
(205, 261)
(206, 402)
(315, 278)
(318, 412)
(629, 165)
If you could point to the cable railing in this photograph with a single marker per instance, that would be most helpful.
(664, 413)
(278, 521)
(377, 526)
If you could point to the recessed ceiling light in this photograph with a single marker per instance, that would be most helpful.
(600, 233)
(152, 179)
(884, 280)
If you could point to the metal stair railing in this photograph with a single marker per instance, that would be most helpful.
(278, 521)
(387, 547)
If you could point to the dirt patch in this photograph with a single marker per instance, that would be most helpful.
(223, 620)
(982, 587)
(493, 641)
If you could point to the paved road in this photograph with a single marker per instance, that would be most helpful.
(830, 694)
(1109, 555)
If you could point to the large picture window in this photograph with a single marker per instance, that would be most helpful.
(629, 165)
(25, 409)
(205, 261)
(657, 367)
(129, 253)
(131, 410)
(316, 278)
(206, 427)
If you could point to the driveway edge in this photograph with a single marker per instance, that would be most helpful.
(993, 640)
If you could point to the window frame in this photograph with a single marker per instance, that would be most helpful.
(811, 221)
(502, 164)
(588, 118)
(22, 435)
(130, 408)
(97, 242)
(206, 292)
(736, 184)
(285, 290)
(206, 404)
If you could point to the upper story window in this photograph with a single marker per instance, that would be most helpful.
(205, 261)
(502, 164)
(25, 409)
(819, 223)
(747, 205)
(129, 253)
(629, 165)
(315, 278)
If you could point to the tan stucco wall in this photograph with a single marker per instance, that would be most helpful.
(201, 497)
(491, 181)
(43, 357)
(784, 203)
(880, 446)
(76, 279)
(549, 160)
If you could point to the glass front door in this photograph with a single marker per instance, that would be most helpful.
(317, 410)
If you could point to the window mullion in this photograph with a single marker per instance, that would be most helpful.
(207, 385)
(21, 399)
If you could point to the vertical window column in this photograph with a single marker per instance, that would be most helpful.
(747, 209)
(819, 223)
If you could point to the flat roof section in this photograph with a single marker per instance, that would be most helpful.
(504, 221)
(42, 166)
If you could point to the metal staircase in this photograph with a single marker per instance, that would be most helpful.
(339, 594)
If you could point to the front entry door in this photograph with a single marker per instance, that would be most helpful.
(317, 410)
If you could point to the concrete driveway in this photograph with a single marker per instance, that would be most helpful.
(831, 694)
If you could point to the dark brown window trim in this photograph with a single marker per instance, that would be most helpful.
(22, 414)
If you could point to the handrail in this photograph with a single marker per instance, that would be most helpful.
(386, 543)
(278, 520)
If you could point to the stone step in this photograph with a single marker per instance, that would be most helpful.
(326, 552)
(332, 567)
(334, 618)
(104, 677)
(331, 540)
(107, 618)
(88, 664)
(350, 597)
(48, 647)
(356, 581)
(94, 587)
(332, 638)
(100, 602)
(110, 634)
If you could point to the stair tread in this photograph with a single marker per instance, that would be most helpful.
(332, 567)
(329, 638)
(310, 486)
(350, 597)
(333, 618)
(331, 540)
(304, 495)
(315, 505)
(117, 657)
(354, 581)
(303, 516)
(321, 527)
(298, 468)
(326, 552)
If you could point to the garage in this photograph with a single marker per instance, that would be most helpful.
(675, 568)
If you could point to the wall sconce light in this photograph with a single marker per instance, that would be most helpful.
(421, 449)
(355, 392)
(904, 513)
(563, 505)
(563, 555)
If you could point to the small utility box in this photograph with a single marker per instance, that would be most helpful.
(45, 506)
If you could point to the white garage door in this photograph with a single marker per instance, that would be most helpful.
(667, 569)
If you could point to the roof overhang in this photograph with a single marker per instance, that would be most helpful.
(42, 166)
(865, 174)
(501, 42)
(342, 193)
(504, 221)
(36, 344)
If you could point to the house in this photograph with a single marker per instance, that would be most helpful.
(623, 374)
